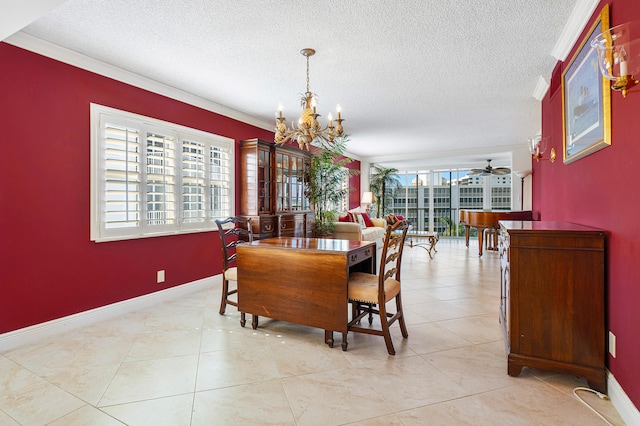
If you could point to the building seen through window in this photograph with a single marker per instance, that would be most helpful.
(432, 200)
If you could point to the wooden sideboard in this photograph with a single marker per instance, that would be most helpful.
(272, 189)
(553, 298)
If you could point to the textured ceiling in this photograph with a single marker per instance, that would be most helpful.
(416, 79)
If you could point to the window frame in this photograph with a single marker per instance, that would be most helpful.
(100, 116)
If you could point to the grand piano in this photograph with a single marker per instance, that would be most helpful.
(488, 219)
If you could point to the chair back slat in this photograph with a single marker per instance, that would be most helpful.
(233, 231)
(391, 256)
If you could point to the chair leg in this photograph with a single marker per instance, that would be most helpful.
(385, 328)
(403, 326)
(225, 290)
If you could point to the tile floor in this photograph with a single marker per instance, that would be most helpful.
(180, 363)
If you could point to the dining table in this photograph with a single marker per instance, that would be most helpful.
(301, 280)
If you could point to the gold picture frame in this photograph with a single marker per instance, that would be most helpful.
(586, 99)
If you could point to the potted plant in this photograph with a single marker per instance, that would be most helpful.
(324, 182)
(382, 180)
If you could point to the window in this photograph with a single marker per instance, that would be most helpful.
(435, 206)
(151, 177)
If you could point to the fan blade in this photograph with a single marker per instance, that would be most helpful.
(501, 171)
(476, 172)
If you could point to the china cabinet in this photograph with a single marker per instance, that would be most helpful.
(272, 189)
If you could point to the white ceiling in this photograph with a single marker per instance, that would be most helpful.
(418, 81)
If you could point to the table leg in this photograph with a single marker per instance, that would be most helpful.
(328, 338)
(432, 245)
(466, 235)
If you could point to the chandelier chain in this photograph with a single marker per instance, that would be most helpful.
(307, 73)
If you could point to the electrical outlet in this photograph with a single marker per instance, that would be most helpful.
(612, 344)
(160, 276)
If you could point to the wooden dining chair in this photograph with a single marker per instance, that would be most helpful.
(369, 293)
(233, 231)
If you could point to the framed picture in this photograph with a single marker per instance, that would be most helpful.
(586, 109)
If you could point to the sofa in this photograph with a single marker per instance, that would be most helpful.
(355, 231)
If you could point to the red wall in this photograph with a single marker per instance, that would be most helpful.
(48, 266)
(600, 191)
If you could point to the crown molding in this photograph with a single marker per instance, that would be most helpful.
(68, 56)
(541, 88)
(578, 20)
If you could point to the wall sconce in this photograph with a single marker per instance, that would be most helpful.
(619, 55)
(538, 146)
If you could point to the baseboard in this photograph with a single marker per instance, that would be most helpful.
(36, 332)
(621, 401)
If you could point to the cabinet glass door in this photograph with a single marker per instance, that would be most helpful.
(282, 182)
(264, 181)
(297, 184)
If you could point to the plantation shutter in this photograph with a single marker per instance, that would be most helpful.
(219, 182)
(161, 179)
(194, 185)
(122, 158)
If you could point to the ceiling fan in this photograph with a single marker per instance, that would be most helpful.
(487, 171)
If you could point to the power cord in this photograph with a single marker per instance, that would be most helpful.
(600, 395)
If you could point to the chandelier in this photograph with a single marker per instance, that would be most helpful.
(308, 129)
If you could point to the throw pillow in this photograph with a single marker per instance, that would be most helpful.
(346, 218)
(367, 220)
(391, 219)
(361, 221)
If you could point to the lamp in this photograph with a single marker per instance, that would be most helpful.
(538, 146)
(308, 129)
(522, 175)
(619, 55)
(367, 199)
